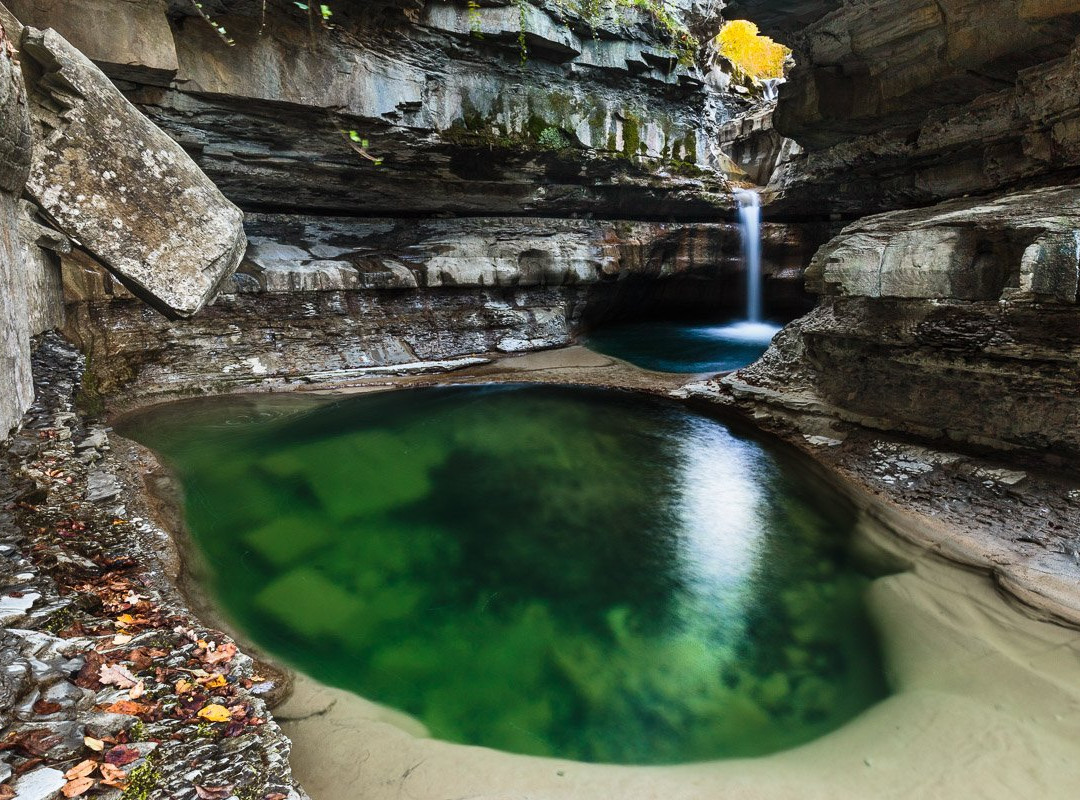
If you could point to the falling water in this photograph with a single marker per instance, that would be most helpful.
(750, 232)
(752, 330)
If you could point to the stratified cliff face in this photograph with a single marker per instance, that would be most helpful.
(14, 168)
(324, 299)
(909, 102)
(603, 120)
(415, 191)
(954, 313)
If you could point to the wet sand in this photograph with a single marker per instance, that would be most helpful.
(987, 705)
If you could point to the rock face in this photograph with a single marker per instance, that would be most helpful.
(601, 118)
(946, 317)
(909, 102)
(15, 376)
(959, 322)
(128, 193)
(320, 299)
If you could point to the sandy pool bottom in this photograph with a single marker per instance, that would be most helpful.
(986, 705)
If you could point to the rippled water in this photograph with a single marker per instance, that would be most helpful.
(679, 347)
(544, 570)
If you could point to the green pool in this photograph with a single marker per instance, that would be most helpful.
(550, 571)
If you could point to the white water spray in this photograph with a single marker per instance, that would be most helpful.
(753, 329)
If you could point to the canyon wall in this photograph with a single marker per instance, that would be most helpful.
(953, 312)
(422, 182)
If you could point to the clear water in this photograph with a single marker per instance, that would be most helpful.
(682, 347)
(544, 570)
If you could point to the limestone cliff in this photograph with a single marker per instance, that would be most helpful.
(954, 313)
(350, 145)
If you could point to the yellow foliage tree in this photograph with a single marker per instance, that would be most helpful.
(759, 55)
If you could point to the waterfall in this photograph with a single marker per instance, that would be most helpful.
(752, 330)
(750, 233)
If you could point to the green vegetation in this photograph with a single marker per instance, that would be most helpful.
(552, 139)
(142, 781)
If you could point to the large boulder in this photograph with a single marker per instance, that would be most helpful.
(120, 187)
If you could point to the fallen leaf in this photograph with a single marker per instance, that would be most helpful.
(6, 792)
(122, 754)
(77, 787)
(125, 619)
(81, 770)
(137, 690)
(215, 713)
(118, 675)
(94, 744)
(223, 652)
(26, 766)
(33, 743)
(46, 707)
(112, 775)
(183, 686)
(126, 707)
(88, 675)
(213, 792)
(215, 682)
(122, 638)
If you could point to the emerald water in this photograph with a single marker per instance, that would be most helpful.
(551, 571)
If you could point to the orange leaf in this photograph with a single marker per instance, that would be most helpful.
(77, 787)
(81, 770)
(216, 682)
(110, 773)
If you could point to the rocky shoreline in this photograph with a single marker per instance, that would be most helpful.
(105, 650)
(110, 680)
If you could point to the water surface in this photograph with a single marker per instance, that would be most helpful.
(683, 347)
(543, 570)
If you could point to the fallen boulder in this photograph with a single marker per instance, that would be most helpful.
(120, 187)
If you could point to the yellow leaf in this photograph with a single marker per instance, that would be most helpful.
(125, 619)
(94, 744)
(216, 682)
(183, 686)
(215, 713)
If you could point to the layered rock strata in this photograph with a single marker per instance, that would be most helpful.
(957, 322)
(15, 372)
(604, 117)
(909, 103)
(320, 299)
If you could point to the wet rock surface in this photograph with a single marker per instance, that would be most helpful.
(108, 680)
